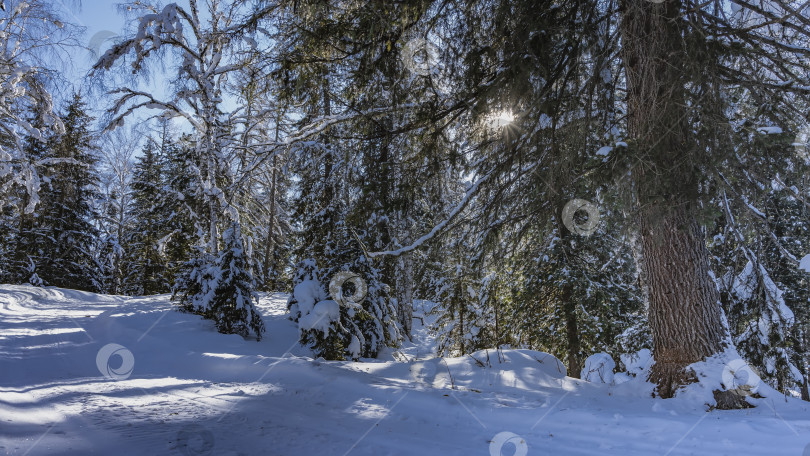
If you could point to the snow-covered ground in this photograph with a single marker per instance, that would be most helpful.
(172, 385)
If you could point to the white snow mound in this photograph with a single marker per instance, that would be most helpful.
(598, 368)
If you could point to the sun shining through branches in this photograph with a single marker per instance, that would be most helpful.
(493, 204)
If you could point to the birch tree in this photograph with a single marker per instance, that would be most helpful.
(199, 42)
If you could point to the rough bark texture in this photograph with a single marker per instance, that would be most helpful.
(684, 311)
(731, 400)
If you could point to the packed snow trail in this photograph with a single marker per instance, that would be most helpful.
(189, 390)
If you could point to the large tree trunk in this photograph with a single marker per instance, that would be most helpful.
(684, 311)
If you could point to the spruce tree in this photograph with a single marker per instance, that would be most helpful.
(233, 306)
(178, 203)
(221, 288)
(338, 328)
(25, 235)
(63, 225)
(755, 246)
(466, 315)
(146, 272)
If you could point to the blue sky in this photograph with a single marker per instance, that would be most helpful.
(96, 16)
(103, 23)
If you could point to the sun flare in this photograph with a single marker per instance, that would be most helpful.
(500, 119)
(506, 117)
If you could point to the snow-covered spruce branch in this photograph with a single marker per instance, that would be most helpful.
(759, 215)
(267, 150)
(23, 91)
(770, 288)
(439, 227)
(796, 194)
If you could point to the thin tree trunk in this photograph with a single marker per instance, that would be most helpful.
(684, 311)
(568, 306)
(461, 307)
(212, 229)
(329, 192)
(21, 248)
(404, 278)
(404, 273)
(572, 334)
(117, 281)
(804, 388)
(271, 227)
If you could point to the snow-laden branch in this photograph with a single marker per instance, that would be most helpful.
(438, 228)
(758, 214)
(793, 191)
(773, 292)
(267, 150)
(149, 103)
(154, 30)
(23, 91)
